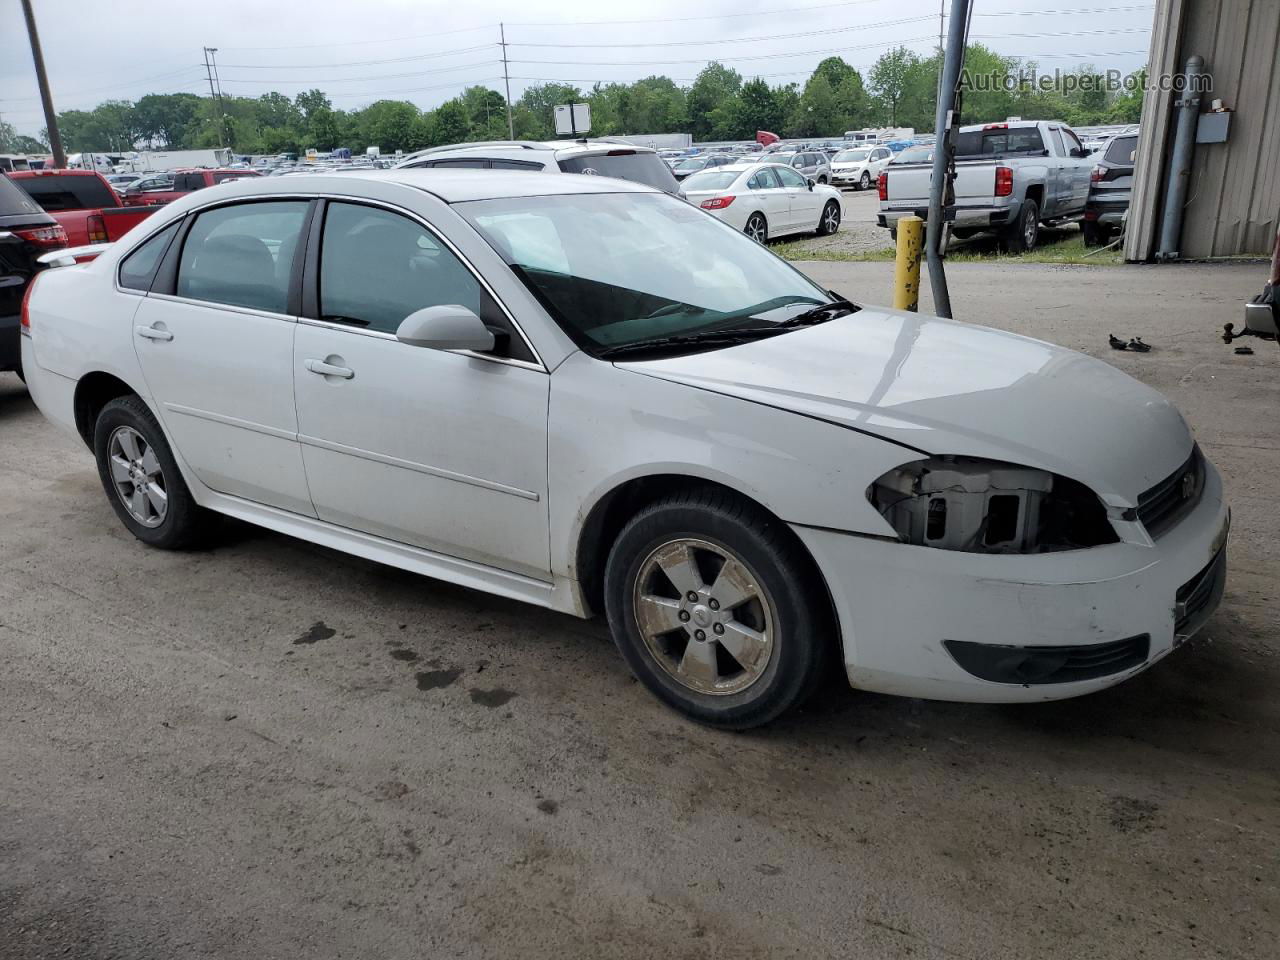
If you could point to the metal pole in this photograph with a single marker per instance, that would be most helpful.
(227, 131)
(506, 79)
(946, 119)
(46, 98)
(213, 98)
(906, 273)
(1184, 147)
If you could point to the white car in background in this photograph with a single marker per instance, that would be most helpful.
(584, 394)
(859, 167)
(765, 200)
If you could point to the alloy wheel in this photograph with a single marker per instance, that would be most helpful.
(137, 477)
(866, 180)
(831, 218)
(706, 619)
(757, 230)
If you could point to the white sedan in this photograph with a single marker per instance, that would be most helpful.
(765, 200)
(585, 394)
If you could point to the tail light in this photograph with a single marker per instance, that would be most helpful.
(48, 238)
(97, 228)
(716, 203)
(1004, 181)
(996, 126)
(25, 320)
(1091, 214)
(882, 184)
(1096, 174)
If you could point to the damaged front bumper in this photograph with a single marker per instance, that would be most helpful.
(1042, 625)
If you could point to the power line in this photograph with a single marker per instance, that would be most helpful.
(383, 76)
(705, 43)
(360, 63)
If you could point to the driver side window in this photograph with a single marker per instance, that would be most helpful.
(790, 179)
(377, 267)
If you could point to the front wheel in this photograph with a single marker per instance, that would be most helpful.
(717, 609)
(757, 228)
(1022, 235)
(830, 221)
(141, 477)
(823, 179)
(865, 182)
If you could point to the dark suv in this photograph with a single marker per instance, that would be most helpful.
(1110, 185)
(26, 232)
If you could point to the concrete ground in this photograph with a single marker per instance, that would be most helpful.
(270, 750)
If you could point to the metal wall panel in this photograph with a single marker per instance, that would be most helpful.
(1233, 205)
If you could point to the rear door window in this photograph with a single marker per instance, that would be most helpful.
(625, 165)
(242, 255)
(16, 202)
(1120, 150)
(139, 267)
(69, 192)
(475, 163)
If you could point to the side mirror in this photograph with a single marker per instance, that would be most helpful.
(448, 327)
(812, 183)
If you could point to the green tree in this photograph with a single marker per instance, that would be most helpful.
(891, 78)
(758, 109)
(715, 85)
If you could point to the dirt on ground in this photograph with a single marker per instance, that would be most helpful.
(266, 749)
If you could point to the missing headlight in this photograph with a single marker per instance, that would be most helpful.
(985, 506)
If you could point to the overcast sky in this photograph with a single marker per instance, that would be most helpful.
(425, 51)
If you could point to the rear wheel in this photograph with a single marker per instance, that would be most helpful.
(1094, 234)
(757, 228)
(717, 609)
(1022, 235)
(141, 477)
(830, 221)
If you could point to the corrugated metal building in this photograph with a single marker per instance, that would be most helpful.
(1233, 196)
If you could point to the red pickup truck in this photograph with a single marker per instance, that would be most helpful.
(184, 182)
(82, 202)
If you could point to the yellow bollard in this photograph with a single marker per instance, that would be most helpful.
(906, 274)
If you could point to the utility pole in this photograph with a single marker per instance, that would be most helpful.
(213, 97)
(228, 132)
(941, 184)
(46, 98)
(506, 78)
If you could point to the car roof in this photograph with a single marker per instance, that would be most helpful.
(527, 148)
(449, 184)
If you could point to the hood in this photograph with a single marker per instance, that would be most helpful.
(944, 387)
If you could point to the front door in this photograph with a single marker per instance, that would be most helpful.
(803, 201)
(438, 449)
(217, 352)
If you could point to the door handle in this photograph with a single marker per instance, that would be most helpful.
(152, 333)
(329, 369)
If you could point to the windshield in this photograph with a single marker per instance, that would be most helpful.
(693, 163)
(616, 269)
(781, 157)
(640, 167)
(710, 180)
(851, 156)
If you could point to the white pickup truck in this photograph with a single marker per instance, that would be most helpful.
(1010, 178)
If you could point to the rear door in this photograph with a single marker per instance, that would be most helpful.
(771, 197)
(214, 338)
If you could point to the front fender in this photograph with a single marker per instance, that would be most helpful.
(609, 426)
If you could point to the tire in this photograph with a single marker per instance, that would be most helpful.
(865, 182)
(823, 179)
(1094, 235)
(780, 630)
(829, 222)
(893, 234)
(757, 228)
(1022, 235)
(168, 518)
